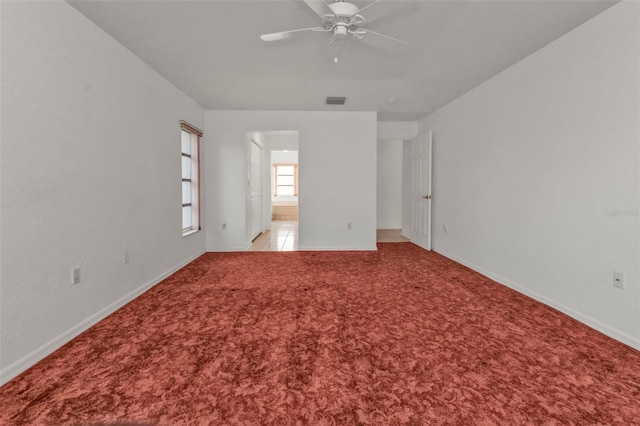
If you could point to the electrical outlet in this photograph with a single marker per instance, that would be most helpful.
(126, 256)
(618, 279)
(75, 276)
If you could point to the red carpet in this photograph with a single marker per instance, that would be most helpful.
(398, 336)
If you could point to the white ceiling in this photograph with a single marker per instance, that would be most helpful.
(211, 50)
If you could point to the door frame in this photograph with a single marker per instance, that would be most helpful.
(250, 191)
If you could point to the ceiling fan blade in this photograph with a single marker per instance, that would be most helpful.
(386, 36)
(283, 35)
(394, 12)
(367, 6)
(382, 41)
(320, 7)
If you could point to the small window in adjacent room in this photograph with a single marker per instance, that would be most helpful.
(190, 141)
(286, 179)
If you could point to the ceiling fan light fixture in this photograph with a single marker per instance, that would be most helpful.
(340, 32)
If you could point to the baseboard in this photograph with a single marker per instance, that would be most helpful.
(24, 363)
(577, 315)
(389, 225)
(338, 248)
(228, 249)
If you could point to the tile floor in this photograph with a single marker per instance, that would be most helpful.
(390, 236)
(284, 237)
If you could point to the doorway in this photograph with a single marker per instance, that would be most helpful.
(389, 191)
(280, 194)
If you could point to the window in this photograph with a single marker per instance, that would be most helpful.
(190, 141)
(286, 179)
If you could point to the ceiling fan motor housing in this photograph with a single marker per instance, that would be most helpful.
(343, 8)
(345, 19)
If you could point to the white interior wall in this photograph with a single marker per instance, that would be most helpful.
(392, 130)
(537, 174)
(337, 157)
(282, 140)
(278, 156)
(90, 166)
(389, 184)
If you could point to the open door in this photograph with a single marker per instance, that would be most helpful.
(417, 157)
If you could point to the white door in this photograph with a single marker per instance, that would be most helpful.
(419, 191)
(255, 183)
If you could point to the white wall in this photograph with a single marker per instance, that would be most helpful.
(282, 140)
(337, 153)
(531, 167)
(90, 166)
(389, 195)
(390, 130)
(284, 157)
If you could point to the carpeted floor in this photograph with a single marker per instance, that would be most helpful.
(398, 336)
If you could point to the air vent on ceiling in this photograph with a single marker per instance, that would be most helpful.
(336, 100)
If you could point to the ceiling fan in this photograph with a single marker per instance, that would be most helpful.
(343, 20)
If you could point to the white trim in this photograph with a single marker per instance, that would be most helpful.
(228, 249)
(29, 360)
(390, 225)
(338, 248)
(300, 248)
(603, 328)
(190, 232)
